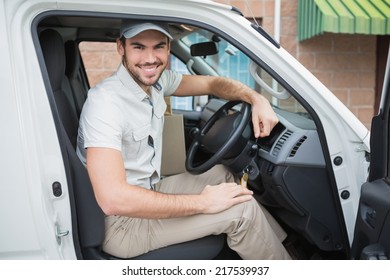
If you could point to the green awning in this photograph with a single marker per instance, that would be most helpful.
(343, 16)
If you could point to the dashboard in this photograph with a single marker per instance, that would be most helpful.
(289, 175)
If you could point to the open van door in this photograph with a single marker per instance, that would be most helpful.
(372, 229)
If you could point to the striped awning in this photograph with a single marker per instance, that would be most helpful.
(343, 16)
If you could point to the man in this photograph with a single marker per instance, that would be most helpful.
(120, 139)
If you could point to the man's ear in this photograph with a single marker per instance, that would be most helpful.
(169, 46)
(120, 47)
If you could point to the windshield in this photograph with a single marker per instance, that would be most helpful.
(230, 62)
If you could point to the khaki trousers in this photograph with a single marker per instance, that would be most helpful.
(251, 230)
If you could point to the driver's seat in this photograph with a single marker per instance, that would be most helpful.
(87, 216)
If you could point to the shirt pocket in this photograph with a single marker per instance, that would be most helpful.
(136, 142)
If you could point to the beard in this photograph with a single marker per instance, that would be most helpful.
(139, 77)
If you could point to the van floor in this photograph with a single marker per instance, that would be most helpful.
(297, 247)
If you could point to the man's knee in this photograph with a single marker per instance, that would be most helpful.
(249, 210)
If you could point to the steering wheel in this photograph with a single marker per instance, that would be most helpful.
(218, 136)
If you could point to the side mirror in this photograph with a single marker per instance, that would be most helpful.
(204, 49)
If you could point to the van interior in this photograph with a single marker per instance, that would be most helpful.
(289, 171)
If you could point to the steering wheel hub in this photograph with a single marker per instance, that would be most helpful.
(219, 136)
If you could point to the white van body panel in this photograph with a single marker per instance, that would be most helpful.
(33, 160)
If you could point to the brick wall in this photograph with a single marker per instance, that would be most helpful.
(346, 64)
(100, 60)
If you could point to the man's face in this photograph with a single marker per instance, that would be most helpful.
(145, 56)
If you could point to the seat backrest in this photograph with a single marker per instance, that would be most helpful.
(54, 54)
(76, 75)
(90, 217)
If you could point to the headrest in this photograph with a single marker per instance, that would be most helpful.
(53, 50)
(72, 55)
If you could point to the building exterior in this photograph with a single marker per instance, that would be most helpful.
(350, 64)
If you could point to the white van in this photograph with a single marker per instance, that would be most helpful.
(313, 173)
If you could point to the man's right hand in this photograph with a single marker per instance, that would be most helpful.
(223, 196)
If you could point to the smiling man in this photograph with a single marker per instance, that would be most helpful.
(145, 56)
(120, 141)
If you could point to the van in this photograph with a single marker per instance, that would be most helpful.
(321, 173)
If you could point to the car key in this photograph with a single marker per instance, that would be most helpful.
(244, 179)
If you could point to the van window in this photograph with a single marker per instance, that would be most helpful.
(181, 103)
(233, 63)
(100, 60)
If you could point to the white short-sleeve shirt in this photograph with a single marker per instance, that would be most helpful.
(118, 114)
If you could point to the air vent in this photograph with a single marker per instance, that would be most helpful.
(281, 141)
(296, 147)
